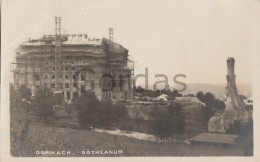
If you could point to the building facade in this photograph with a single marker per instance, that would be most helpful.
(77, 64)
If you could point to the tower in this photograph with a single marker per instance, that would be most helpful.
(235, 108)
(111, 35)
(233, 99)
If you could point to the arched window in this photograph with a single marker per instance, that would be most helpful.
(67, 85)
(53, 77)
(66, 77)
(46, 76)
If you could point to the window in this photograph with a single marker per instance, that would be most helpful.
(45, 85)
(75, 85)
(53, 85)
(53, 68)
(66, 77)
(74, 77)
(36, 77)
(82, 77)
(75, 94)
(218, 127)
(82, 88)
(66, 68)
(68, 95)
(53, 77)
(37, 87)
(46, 76)
(67, 85)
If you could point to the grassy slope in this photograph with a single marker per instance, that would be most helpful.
(41, 138)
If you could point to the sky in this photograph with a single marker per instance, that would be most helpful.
(169, 37)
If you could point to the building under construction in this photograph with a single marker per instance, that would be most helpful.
(72, 64)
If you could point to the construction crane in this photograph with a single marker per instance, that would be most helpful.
(57, 54)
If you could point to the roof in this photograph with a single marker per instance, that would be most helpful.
(215, 138)
(214, 118)
(61, 114)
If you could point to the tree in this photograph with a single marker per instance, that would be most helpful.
(245, 132)
(44, 101)
(105, 113)
(209, 99)
(200, 96)
(25, 92)
(87, 106)
(190, 95)
(165, 125)
(139, 89)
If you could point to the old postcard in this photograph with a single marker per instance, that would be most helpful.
(149, 79)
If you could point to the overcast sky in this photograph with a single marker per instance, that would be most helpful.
(169, 37)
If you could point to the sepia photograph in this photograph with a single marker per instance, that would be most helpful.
(114, 78)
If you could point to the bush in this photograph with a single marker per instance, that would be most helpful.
(212, 105)
(43, 103)
(165, 125)
(95, 113)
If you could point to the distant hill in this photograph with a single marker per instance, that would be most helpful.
(218, 89)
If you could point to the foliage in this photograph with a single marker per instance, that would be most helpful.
(210, 100)
(95, 113)
(190, 95)
(25, 92)
(19, 123)
(212, 105)
(86, 105)
(166, 124)
(152, 93)
(245, 132)
(44, 101)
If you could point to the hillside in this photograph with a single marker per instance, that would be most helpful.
(217, 89)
